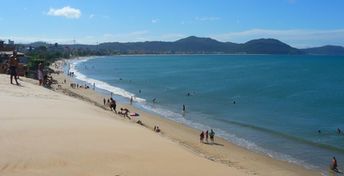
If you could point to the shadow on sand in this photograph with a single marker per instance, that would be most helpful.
(213, 143)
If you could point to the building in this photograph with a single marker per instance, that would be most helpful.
(10, 42)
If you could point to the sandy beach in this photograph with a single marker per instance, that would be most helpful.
(45, 132)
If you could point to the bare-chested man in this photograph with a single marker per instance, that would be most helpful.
(13, 63)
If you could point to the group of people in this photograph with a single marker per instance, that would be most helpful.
(339, 131)
(75, 85)
(157, 129)
(112, 104)
(13, 64)
(203, 137)
(70, 74)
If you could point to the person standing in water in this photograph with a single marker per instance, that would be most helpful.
(131, 100)
(212, 135)
(334, 165)
(184, 108)
(201, 137)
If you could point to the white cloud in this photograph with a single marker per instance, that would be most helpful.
(155, 21)
(294, 37)
(207, 18)
(67, 12)
(91, 16)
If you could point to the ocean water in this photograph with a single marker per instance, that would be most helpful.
(270, 104)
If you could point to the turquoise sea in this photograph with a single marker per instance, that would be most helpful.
(270, 104)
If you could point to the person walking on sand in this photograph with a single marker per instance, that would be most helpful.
(113, 105)
(206, 136)
(13, 63)
(104, 101)
(201, 137)
(212, 135)
(131, 100)
(40, 74)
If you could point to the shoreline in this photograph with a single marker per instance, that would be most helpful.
(225, 152)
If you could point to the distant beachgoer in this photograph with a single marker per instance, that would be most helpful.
(131, 100)
(40, 74)
(201, 137)
(113, 105)
(154, 100)
(104, 100)
(125, 112)
(64, 81)
(234, 102)
(94, 86)
(334, 165)
(157, 129)
(339, 131)
(184, 108)
(139, 122)
(212, 135)
(110, 94)
(140, 91)
(13, 68)
(319, 131)
(188, 94)
(206, 136)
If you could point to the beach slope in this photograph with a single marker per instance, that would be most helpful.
(46, 133)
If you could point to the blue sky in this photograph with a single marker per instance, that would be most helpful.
(300, 23)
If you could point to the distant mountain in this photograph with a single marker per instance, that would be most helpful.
(268, 46)
(199, 45)
(325, 50)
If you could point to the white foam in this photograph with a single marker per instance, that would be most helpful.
(100, 84)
